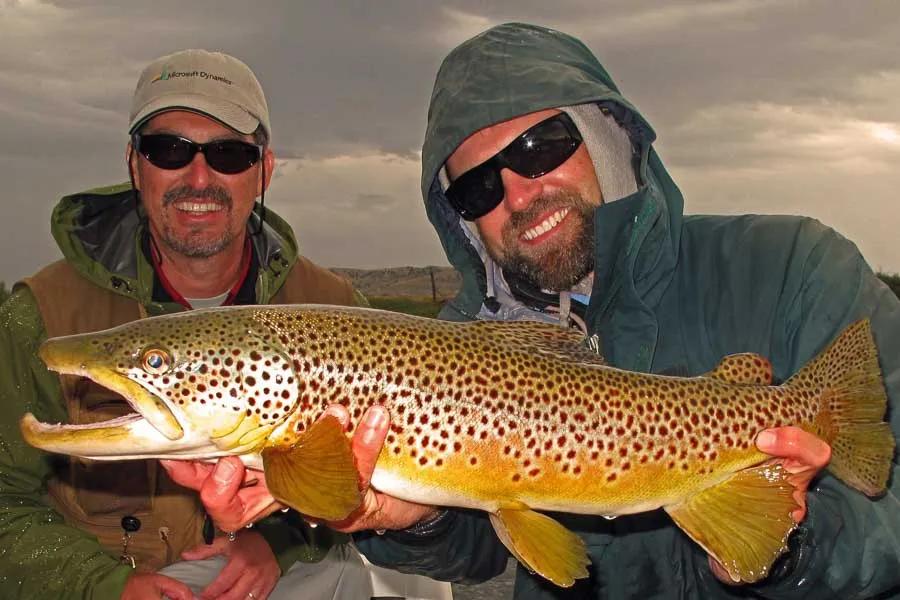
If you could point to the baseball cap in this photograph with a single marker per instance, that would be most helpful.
(210, 83)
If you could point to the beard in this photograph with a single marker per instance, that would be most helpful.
(199, 243)
(559, 263)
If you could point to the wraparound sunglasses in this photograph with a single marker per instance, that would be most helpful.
(168, 151)
(537, 151)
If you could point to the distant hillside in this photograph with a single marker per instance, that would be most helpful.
(404, 281)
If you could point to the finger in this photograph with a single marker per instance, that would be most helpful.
(226, 580)
(201, 551)
(368, 440)
(173, 589)
(720, 572)
(241, 588)
(190, 474)
(219, 492)
(795, 444)
(340, 412)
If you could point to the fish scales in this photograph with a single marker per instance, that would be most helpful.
(501, 417)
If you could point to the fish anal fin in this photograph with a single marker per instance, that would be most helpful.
(743, 522)
(743, 369)
(317, 475)
(543, 545)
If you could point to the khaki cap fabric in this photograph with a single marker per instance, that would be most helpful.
(211, 83)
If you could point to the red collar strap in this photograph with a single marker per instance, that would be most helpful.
(176, 295)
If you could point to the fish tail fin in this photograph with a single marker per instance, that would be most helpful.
(846, 380)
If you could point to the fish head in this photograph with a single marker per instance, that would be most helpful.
(202, 383)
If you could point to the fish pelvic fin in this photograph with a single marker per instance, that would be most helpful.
(542, 544)
(743, 522)
(852, 400)
(317, 475)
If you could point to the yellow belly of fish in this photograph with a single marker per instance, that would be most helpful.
(486, 476)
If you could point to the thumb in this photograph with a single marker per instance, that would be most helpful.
(173, 589)
(201, 551)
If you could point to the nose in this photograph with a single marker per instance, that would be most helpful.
(197, 172)
(519, 192)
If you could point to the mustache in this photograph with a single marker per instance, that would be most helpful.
(186, 192)
(519, 221)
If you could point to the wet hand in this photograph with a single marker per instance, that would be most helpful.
(802, 455)
(153, 586)
(378, 511)
(250, 572)
(233, 495)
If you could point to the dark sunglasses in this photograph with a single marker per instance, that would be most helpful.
(536, 152)
(168, 151)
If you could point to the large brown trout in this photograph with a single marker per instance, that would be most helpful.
(508, 418)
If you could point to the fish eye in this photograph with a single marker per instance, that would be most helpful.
(155, 361)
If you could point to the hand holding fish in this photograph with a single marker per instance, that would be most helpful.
(802, 455)
(378, 511)
(233, 495)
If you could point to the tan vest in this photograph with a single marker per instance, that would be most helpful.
(94, 496)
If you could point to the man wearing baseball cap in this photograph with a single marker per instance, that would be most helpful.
(186, 232)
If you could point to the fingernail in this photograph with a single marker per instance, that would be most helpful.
(765, 440)
(224, 472)
(375, 417)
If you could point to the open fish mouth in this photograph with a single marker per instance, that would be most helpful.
(73, 355)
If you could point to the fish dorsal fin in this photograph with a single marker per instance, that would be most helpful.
(316, 476)
(743, 522)
(544, 338)
(541, 544)
(744, 369)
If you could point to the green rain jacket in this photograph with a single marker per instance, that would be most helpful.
(42, 557)
(673, 294)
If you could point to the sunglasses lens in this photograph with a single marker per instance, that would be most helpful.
(476, 192)
(541, 149)
(166, 151)
(231, 156)
(173, 152)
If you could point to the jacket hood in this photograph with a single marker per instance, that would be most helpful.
(99, 233)
(515, 69)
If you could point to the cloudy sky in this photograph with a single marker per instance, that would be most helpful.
(765, 106)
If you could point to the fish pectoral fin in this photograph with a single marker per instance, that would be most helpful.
(743, 522)
(541, 544)
(317, 475)
(743, 369)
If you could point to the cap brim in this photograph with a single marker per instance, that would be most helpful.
(227, 113)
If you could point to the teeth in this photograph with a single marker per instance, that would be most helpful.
(198, 207)
(548, 224)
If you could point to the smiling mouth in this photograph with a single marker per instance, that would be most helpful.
(546, 225)
(199, 207)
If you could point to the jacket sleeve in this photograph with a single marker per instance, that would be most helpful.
(461, 547)
(849, 545)
(42, 556)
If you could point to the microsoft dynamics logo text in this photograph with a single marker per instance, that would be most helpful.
(167, 74)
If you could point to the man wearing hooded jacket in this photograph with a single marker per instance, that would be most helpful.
(190, 233)
(600, 239)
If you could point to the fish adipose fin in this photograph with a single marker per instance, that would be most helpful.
(852, 404)
(743, 522)
(317, 475)
(541, 544)
(743, 369)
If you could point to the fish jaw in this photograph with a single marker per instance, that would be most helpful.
(73, 355)
(123, 438)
